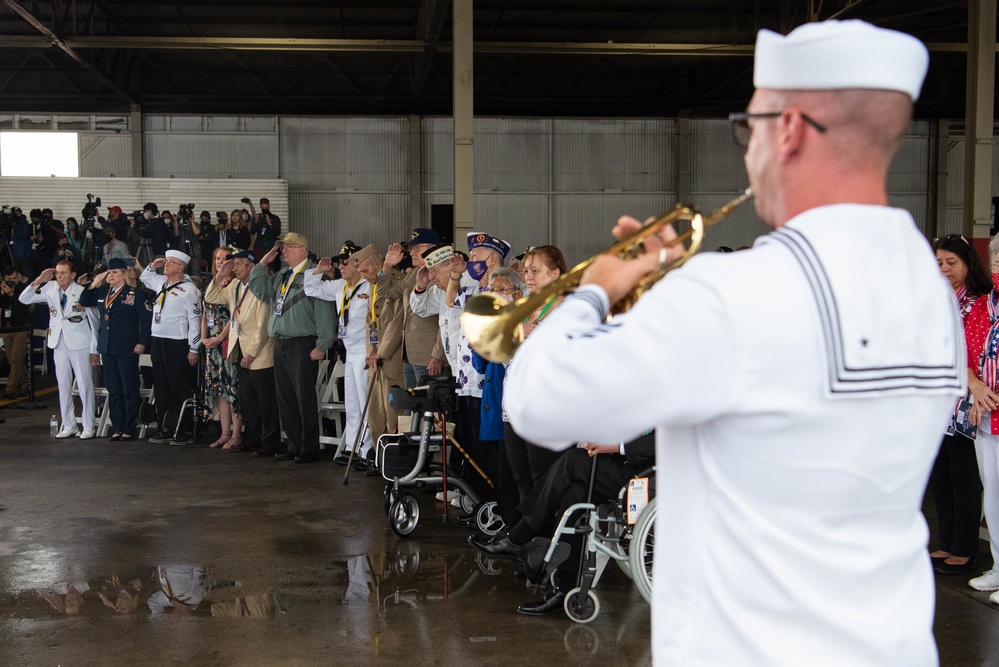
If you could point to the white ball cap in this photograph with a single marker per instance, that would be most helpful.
(840, 55)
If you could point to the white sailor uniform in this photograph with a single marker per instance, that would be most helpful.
(176, 331)
(72, 336)
(354, 335)
(799, 389)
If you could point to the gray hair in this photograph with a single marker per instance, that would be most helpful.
(506, 272)
(993, 250)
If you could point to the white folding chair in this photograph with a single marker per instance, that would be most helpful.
(145, 393)
(331, 406)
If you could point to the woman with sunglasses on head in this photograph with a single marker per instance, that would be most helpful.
(221, 392)
(981, 327)
(954, 481)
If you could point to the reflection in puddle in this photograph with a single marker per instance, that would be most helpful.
(405, 575)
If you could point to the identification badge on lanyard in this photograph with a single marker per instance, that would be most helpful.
(341, 331)
(156, 317)
(7, 313)
(373, 333)
(278, 307)
(211, 320)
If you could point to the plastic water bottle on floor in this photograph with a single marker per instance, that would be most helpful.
(53, 426)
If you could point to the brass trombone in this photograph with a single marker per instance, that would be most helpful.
(493, 326)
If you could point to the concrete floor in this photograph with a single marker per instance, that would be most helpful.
(293, 547)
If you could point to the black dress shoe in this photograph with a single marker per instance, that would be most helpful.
(954, 568)
(502, 546)
(307, 457)
(361, 465)
(342, 459)
(264, 453)
(287, 456)
(552, 604)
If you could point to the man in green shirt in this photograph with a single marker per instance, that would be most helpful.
(302, 328)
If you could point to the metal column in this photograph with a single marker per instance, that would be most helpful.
(135, 129)
(415, 172)
(463, 119)
(978, 121)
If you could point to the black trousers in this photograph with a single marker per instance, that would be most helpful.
(295, 377)
(957, 493)
(528, 462)
(121, 373)
(173, 377)
(258, 407)
(485, 454)
(565, 484)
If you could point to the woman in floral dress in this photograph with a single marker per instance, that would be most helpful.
(219, 396)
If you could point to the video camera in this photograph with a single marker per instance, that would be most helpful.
(9, 215)
(184, 213)
(89, 212)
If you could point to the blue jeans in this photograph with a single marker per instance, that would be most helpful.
(413, 374)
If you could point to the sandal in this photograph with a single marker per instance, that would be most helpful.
(234, 445)
(115, 437)
(226, 437)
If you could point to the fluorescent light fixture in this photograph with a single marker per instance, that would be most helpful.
(39, 154)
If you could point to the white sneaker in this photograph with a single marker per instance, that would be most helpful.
(87, 433)
(456, 502)
(451, 495)
(989, 581)
(994, 598)
(67, 433)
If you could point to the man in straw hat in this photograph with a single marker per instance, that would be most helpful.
(176, 338)
(799, 387)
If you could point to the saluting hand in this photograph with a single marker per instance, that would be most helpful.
(324, 265)
(99, 280)
(225, 270)
(393, 256)
(44, 276)
(157, 263)
(270, 256)
(422, 278)
(457, 264)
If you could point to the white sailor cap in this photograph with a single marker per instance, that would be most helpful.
(176, 254)
(839, 55)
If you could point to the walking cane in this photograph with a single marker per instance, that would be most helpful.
(364, 420)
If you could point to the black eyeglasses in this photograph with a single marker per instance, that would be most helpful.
(741, 131)
(950, 237)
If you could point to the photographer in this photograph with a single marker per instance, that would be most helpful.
(266, 226)
(116, 220)
(239, 228)
(114, 249)
(20, 238)
(218, 235)
(184, 232)
(13, 313)
(151, 226)
(44, 241)
(79, 240)
(68, 251)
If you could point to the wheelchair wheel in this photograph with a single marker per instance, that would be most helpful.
(487, 519)
(467, 506)
(389, 498)
(404, 515)
(580, 608)
(641, 550)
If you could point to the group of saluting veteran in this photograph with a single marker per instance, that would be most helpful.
(798, 388)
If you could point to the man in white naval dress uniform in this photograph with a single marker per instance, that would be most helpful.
(352, 296)
(72, 338)
(799, 387)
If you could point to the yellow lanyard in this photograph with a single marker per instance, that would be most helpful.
(374, 295)
(285, 286)
(239, 301)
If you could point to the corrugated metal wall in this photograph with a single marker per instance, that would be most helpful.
(537, 180)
